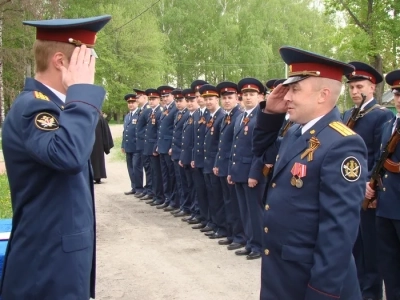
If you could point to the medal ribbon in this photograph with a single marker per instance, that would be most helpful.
(299, 170)
(312, 146)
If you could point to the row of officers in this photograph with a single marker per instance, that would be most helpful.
(217, 168)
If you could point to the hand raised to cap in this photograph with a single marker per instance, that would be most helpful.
(276, 103)
(81, 67)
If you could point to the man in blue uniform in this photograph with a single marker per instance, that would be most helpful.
(388, 206)
(312, 213)
(245, 170)
(128, 146)
(199, 120)
(164, 142)
(185, 157)
(211, 140)
(48, 137)
(144, 111)
(229, 100)
(182, 190)
(369, 126)
(150, 146)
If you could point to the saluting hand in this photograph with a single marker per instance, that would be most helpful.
(276, 103)
(81, 68)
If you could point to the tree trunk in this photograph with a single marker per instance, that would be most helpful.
(378, 65)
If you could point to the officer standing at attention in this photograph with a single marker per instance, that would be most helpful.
(150, 146)
(48, 136)
(388, 206)
(144, 112)
(164, 142)
(229, 100)
(369, 125)
(183, 198)
(199, 120)
(211, 140)
(128, 146)
(185, 157)
(245, 170)
(312, 213)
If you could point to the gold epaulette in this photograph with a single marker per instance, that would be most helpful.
(41, 96)
(341, 128)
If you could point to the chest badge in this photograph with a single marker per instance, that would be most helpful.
(298, 171)
(351, 169)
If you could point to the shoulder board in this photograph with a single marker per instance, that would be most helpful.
(341, 128)
(41, 96)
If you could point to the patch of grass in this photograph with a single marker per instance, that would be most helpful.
(5, 198)
(116, 153)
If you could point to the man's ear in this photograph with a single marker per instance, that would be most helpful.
(325, 95)
(59, 60)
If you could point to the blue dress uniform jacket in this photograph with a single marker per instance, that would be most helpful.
(211, 139)
(141, 126)
(177, 138)
(129, 134)
(373, 120)
(187, 140)
(166, 126)
(243, 164)
(388, 204)
(225, 142)
(47, 146)
(199, 135)
(310, 231)
(150, 137)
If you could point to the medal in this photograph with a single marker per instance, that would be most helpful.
(298, 171)
(246, 129)
(212, 130)
(299, 183)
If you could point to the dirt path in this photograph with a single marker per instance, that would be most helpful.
(149, 255)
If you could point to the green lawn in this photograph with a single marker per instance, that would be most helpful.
(5, 200)
(116, 153)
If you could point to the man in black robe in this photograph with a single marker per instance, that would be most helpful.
(103, 144)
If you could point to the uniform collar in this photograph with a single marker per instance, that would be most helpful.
(61, 96)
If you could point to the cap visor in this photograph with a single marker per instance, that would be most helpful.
(294, 79)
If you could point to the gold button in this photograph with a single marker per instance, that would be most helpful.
(386, 176)
(237, 137)
(273, 185)
(205, 150)
(233, 163)
(267, 207)
(234, 146)
(266, 229)
(219, 156)
(62, 106)
(266, 251)
(384, 189)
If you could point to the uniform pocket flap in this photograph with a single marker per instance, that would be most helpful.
(304, 255)
(77, 241)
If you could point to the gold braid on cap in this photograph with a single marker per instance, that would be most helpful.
(79, 43)
(305, 73)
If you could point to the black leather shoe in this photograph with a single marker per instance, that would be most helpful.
(253, 255)
(137, 194)
(206, 229)
(131, 192)
(199, 226)
(164, 205)
(194, 221)
(155, 203)
(140, 196)
(150, 201)
(235, 246)
(217, 236)
(169, 208)
(181, 214)
(174, 212)
(187, 219)
(147, 197)
(224, 242)
(211, 233)
(242, 252)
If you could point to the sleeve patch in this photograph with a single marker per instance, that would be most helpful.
(341, 128)
(45, 121)
(41, 96)
(351, 169)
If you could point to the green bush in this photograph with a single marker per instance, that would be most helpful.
(5, 198)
